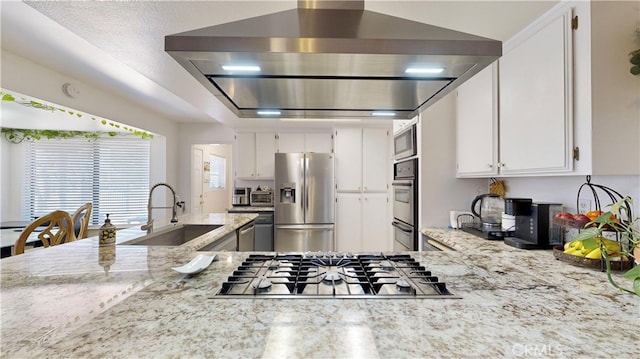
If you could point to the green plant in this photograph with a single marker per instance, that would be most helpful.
(617, 220)
(20, 135)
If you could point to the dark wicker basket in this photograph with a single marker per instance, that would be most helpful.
(558, 252)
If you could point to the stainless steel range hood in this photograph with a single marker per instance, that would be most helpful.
(330, 59)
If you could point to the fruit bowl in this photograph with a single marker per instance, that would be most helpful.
(623, 265)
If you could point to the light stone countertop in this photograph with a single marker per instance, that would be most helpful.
(59, 302)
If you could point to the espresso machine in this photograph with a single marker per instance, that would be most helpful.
(533, 224)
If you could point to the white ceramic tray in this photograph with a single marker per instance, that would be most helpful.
(197, 264)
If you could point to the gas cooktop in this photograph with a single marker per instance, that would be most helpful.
(332, 275)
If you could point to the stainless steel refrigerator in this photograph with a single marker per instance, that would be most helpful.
(304, 202)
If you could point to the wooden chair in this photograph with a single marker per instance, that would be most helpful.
(81, 218)
(59, 229)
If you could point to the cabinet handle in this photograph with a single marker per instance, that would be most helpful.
(490, 165)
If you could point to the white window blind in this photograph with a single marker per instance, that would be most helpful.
(111, 173)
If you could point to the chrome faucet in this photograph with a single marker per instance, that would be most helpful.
(174, 217)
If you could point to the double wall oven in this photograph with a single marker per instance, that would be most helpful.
(405, 205)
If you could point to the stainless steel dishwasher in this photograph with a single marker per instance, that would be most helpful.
(246, 237)
(264, 232)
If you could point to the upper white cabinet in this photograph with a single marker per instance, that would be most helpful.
(305, 142)
(477, 124)
(607, 109)
(516, 117)
(362, 158)
(536, 102)
(256, 155)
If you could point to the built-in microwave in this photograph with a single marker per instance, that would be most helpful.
(404, 143)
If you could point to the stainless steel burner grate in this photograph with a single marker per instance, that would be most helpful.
(332, 275)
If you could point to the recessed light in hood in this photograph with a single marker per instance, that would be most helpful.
(330, 59)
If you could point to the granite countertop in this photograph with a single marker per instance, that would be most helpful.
(250, 209)
(60, 302)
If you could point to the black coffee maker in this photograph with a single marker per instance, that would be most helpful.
(534, 228)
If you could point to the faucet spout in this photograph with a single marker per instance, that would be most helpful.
(174, 212)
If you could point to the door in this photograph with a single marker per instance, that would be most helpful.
(197, 199)
(246, 155)
(349, 222)
(289, 187)
(403, 197)
(375, 172)
(375, 231)
(349, 159)
(303, 238)
(319, 196)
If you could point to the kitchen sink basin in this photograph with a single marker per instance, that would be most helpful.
(174, 236)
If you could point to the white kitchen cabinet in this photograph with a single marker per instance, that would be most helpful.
(256, 155)
(305, 142)
(362, 222)
(536, 102)
(519, 121)
(362, 159)
(477, 124)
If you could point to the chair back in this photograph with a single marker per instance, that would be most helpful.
(58, 230)
(81, 218)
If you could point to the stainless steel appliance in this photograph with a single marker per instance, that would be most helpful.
(332, 275)
(404, 143)
(352, 65)
(264, 232)
(304, 202)
(405, 205)
(261, 198)
(241, 196)
(246, 237)
(534, 228)
(490, 210)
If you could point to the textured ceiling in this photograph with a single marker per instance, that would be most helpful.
(128, 38)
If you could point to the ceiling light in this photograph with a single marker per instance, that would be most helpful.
(424, 70)
(383, 114)
(269, 113)
(241, 68)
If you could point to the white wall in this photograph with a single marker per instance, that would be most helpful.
(440, 191)
(565, 189)
(32, 79)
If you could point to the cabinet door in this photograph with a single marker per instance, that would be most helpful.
(246, 155)
(536, 102)
(477, 125)
(375, 159)
(349, 159)
(375, 228)
(348, 222)
(318, 142)
(291, 142)
(265, 155)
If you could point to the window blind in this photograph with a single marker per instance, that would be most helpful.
(112, 173)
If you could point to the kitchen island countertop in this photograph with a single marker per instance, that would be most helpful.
(78, 301)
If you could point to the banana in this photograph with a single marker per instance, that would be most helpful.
(594, 254)
(575, 252)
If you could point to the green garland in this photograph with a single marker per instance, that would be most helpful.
(19, 135)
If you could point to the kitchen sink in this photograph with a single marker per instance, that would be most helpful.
(174, 236)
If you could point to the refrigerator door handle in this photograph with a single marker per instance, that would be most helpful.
(305, 190)
(305, 227)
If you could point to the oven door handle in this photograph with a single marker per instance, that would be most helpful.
(402, 183)
(403, 227)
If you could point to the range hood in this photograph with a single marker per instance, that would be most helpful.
(330, 59)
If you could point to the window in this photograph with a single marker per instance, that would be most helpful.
(112, 173)
(217, 172)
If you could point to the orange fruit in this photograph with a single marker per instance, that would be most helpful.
(593, 214)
